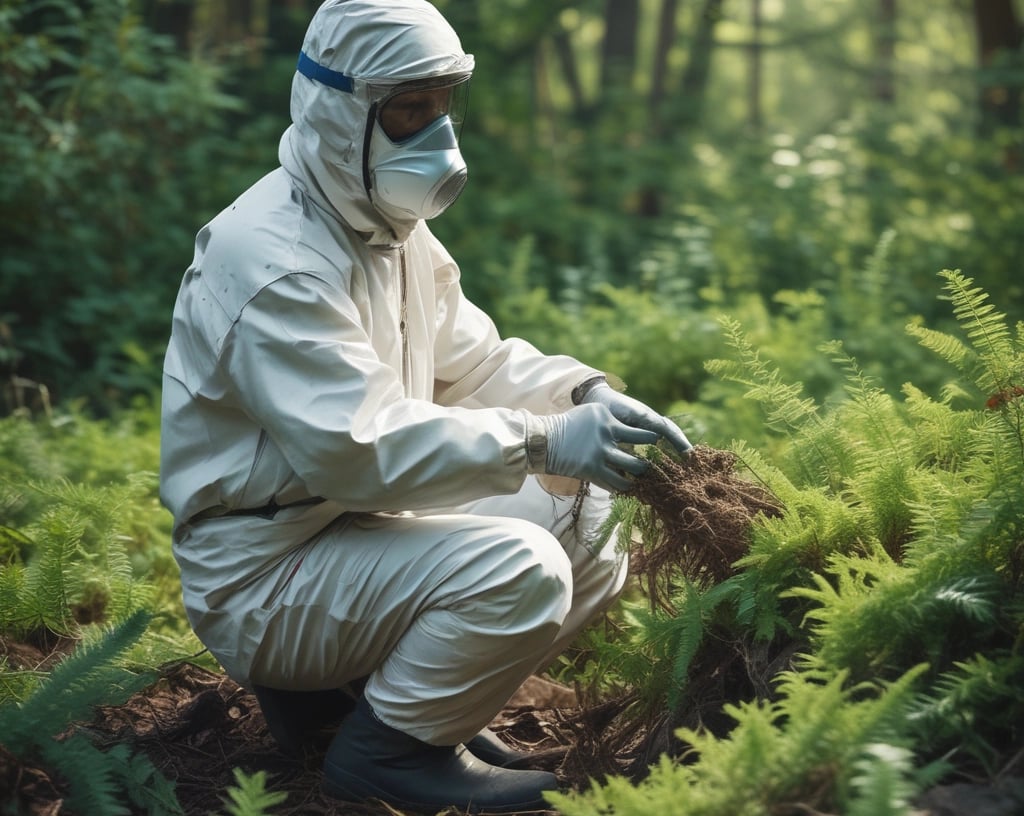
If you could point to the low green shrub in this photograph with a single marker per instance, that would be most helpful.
(898, 562)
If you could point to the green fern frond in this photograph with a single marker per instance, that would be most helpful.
(13, 617)
(625, 519)
(971, 596)
(951, 349)
(88, 677)
(146, 786)
(16, 685)
(103, 575)
(90, 775)
(985, 326)
(98, 781)
(249, 795)
(686, 636)
(977, 702)
(803, 747)
(996, 363)
(785, 407)
(101, 781)
(943, 438)
(49, 576)
(942, 505)
(72, 563)
(880, 428)
(770, 475)
(874, 279)
(969, 685)
(882, 782)
(862, 615)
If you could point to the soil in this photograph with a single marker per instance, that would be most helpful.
(197, 725)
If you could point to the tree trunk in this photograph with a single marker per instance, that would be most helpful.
(173, 18)
(999, 33)
(755, 72)
(567, 62)
(885, 52)
(698, 68)
(659, 69)
(618, 51)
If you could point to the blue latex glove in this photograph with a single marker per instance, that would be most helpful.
(583, 443)
(637, 415)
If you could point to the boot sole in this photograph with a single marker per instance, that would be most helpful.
(361, 791)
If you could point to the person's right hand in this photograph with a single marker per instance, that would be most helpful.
(583, 443)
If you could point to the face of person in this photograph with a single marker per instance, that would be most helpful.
(406, 114)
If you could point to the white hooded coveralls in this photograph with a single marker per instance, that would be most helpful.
(344, 435)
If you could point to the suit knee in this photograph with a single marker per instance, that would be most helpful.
(536, 582)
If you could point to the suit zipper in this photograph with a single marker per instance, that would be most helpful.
(403, 319)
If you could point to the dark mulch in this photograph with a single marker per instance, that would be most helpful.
(198, 725)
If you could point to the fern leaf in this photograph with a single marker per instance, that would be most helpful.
(49, 576)
(983, 323)
(249, 795)
(987, 330)
(88, 677)
(882, 782)
(90, 775)
(951, 349)
(785, 407)
(971, 596)
(146, 786)
(687, 635)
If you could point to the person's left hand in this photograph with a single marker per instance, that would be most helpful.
(632, 412)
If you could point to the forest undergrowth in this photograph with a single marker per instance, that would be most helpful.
(834, 629)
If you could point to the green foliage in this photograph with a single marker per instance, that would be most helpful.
(882, 783)
(669, 642)
(651, 336)
(900, 554)
(818, 746)
(99, 781)
(74, 567)
(640, 229)
(249, 795)
(113, 149)
(83, 538)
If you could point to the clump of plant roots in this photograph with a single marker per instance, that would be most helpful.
(699, 516)
(691, 519)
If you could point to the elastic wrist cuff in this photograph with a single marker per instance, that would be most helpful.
(536, 444)
(579, 393)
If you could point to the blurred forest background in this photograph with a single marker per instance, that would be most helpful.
(639, 168)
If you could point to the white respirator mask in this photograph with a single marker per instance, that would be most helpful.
(419, 176)
(412, 164)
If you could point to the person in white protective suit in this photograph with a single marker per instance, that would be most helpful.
(371, 489)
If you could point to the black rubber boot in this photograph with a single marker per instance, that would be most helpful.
(488, 746)
(301, 721)
(371, 760)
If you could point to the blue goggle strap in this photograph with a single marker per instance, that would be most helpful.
(315, 71)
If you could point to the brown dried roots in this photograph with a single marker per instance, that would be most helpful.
(701, 512)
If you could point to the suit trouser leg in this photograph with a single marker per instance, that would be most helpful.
(599, 572)
(446, 614)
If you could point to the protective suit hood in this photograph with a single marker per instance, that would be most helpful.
(378, 45)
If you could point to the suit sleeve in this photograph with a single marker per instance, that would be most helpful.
(474, 366)
(303, 367)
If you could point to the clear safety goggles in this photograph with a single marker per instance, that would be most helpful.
(404, 110)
